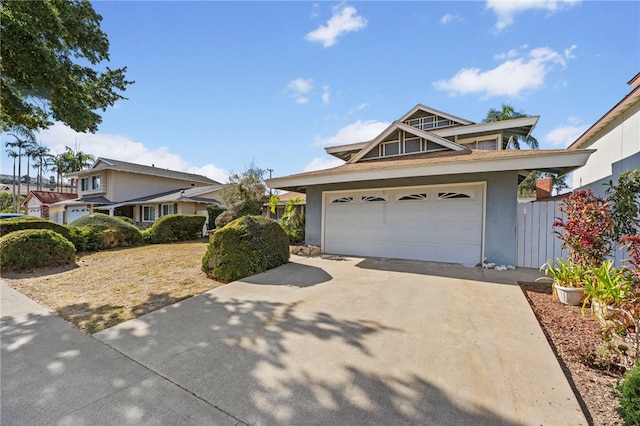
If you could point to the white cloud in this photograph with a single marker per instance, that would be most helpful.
(343, 20)
(449, 18)
(359, 107)
(563, 136)
(513, 77)
(506, 10)
(120, 147)
(326, 95)
(298, 88)
(322, 163)
(360, 131)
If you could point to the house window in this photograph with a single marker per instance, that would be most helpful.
(413, 197)
(148, 213)
(412, 145)
(84, 184)
(95, 182)
(452, 195)
(168, 209)
(390, 148)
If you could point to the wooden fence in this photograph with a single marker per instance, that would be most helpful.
(535, 238)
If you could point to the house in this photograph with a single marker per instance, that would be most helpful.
(283, 201)
(37, 202)
(431, 186)
(142, 193)
(616, 139)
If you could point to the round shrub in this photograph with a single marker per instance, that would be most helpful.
(29, 249)
(30, 222)
(106, 232)
(175, 227)
(125, 219)
(246, 246)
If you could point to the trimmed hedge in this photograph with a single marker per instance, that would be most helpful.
(99, 231)
(213, 212)
(175, 227)
(244, 247)
(30, 222)
(29, 249)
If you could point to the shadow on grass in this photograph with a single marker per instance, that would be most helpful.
(92, 319)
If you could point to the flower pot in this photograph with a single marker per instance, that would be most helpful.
(570, 295)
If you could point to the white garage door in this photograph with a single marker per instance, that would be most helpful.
(76, 212)
(437, 223)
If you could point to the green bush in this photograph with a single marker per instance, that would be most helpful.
(628, 393)
(86, 238)
(246, 246)
(30, 222)
(214, 212)
(105, 232)
(28, 249)
(175, 227)
(125, 219)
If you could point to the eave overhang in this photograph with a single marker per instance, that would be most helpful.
(553, 161)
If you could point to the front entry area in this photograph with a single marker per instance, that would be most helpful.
(441, 223)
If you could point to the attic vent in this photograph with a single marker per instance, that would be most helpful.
(192, 184)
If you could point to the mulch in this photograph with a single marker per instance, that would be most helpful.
(576, 340)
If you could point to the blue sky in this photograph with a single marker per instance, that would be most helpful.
(219, 85)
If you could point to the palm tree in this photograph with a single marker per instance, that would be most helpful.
(13, 154)
(77, 160)
(23, 139)
(40, 154)
(60, 164)
(507, 112)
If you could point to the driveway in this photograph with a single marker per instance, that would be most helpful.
(352, 341)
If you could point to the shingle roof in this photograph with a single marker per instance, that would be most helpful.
(124, 166)
(50, 197)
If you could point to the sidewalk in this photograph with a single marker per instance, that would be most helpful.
(52, 373)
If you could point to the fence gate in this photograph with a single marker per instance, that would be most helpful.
(536, 241)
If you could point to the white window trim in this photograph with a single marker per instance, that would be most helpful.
(151, 206)
(172, 205)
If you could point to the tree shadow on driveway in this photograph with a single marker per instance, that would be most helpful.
(268, 362)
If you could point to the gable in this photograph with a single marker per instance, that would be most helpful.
(425, 118)
(402, 139)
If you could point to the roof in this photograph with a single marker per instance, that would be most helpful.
(560, 161)
(193, 195)
(49, 197)
(123, 166)
(591, 135)
(99, 200)
(522, 126)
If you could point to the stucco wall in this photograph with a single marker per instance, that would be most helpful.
(617, 148)
(501, 208)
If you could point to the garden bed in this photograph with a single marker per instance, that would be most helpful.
(577, 343)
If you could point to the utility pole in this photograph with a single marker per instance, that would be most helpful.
(270, 171)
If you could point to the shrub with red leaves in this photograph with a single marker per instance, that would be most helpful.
(587, 229)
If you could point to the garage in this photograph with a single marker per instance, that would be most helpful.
(437, 223)
(76, 212)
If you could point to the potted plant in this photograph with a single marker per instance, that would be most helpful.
(606, 289)
(568, 280)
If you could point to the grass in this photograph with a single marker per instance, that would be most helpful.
(110, 287)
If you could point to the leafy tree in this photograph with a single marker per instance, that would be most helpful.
(244, 195)
(528, 186)
(39, 79)
(507, 112)
(6, 201)
(626, 203)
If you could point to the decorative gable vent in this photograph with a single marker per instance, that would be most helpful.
(430, 122)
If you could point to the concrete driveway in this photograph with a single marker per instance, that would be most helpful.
(346, 342)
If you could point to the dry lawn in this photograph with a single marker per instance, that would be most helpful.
(109, 287)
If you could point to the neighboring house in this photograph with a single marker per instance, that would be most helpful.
(432, 186)
(616, 138)
(283, 201)
(37, 202)
(142, 193)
